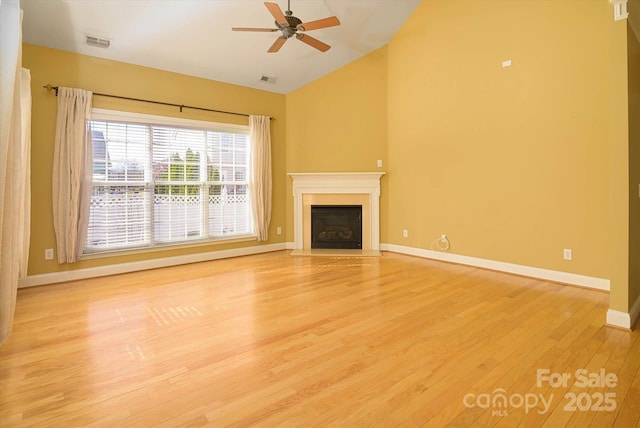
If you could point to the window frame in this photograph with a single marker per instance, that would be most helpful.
(149, 184)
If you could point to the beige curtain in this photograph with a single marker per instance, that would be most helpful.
(260, 182)
(71, 170)
(15, 152)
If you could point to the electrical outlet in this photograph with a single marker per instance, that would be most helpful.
(568, 254)
(278, 230)
(405, 233)
(48, 254)
(379, 163)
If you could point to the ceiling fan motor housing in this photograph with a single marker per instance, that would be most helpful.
(292, 21)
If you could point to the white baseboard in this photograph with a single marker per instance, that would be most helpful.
(73, 275)
(623, 319)
(618, 319)
(290, 245)
(546, 274)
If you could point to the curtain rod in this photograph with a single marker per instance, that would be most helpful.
(50, 88)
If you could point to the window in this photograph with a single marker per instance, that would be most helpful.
(157, 183)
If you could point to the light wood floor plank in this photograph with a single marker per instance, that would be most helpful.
(279, 340)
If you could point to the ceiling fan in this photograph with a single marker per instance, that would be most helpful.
(293, 26)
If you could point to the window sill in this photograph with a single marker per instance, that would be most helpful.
(166, 247)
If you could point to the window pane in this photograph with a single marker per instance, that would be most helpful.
(118, 217)
(229, 209)
(177, 215)
(120, 151)
(176, 153)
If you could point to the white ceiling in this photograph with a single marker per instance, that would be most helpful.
(194, 37)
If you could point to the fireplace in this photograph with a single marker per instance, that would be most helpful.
(336, 226)
(360, 189)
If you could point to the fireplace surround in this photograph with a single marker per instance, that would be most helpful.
(335, 189)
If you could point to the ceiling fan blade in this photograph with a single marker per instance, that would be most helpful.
(320, 23)
(315, 43)
(275, 47)
(266, 30)
(275, 10)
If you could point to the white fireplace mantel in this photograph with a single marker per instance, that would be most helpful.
(336, 183)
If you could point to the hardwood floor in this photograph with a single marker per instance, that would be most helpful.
(279, 340)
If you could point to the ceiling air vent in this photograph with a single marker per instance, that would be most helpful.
(268, 79)
(97, 41)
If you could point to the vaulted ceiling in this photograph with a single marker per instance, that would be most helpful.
(194, 37)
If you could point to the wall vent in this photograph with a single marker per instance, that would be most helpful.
(96, 41)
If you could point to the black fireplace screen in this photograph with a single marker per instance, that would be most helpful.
(336, 226)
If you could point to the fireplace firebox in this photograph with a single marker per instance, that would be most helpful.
(336, 226)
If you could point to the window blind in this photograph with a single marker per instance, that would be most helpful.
(156, 184)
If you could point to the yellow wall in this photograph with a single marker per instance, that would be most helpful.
(511, 163)
(67, 69)
(339, 123)
(633, 47)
